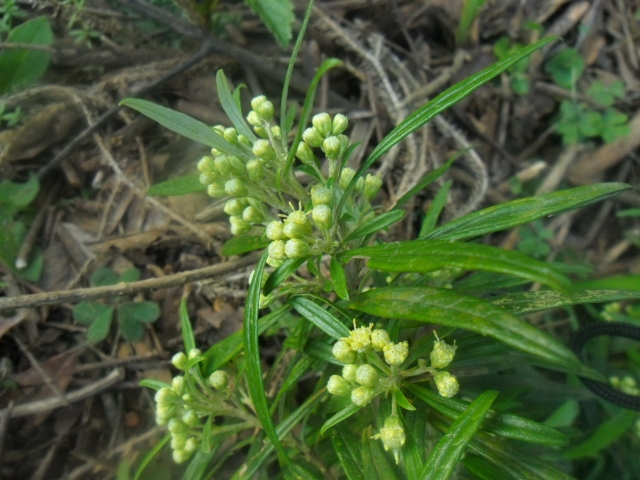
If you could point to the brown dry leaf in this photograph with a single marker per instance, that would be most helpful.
(7, 324)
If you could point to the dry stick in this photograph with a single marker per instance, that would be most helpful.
(47, 404)
(80, 294)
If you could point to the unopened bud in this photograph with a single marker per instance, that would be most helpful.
(322, 123)
(255, 170)
(276, 132)
(177, 426)
(178, 441)
(191, 445)
(219, 380)
(342, 351)
(321, 215)
(331, 147)
(235, 206)
(367, 376)
(263, 149)
(312, 137)
(219, 129)
(296, 248)
(216, 190)
(293, 230)
(207, 165)
(299, 217)
(254, 119)
(257, 102)
(305, 154)
(181, 455)
(252, 215)
(191, 418)
(442, 354)
(349, 372)
(179, 360)
(194, 352)
(231, 135)
(274, 230)
(320, 196)
(396, 353)
(244, 141)
(338, 386)
(235, 188)
(361, 396)
(236, 166)
(360, 339)
(277, 250)
(339, 124)
(379, 338)
(372, 186)
(177, 385)
(165, 397)
(392, 434)
(222, 165)
(239, 226)
(207, 178)
(266, 110)
(447, 384)
(346, 176)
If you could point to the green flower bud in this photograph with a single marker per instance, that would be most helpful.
(244, 141)
(179, 360)
(360, 339)
(342, 351)
(236, 166)
(219, 129)
(191, 418)
(379, 338)
(361, 396)
(277, 250)
(392, 434)
(344, 144)
(194, 352)
(367, 376)
(273, 262)
(235, 188)
(276, 132)
(177, 385)
(339, 124)
(254, 119)
(216, 190)
(296, 248)
(207, 178)
(207, 165)
(360, 185)
(349, 372)
(223, 165)
(372, 186)
(266, 110)
(165, 397)
(215, 152)
(322, 123)
(305, 154)
(321, 215)
(331, 147)
(312, 137)
(293, 230)
(178, 441)
(255, 170)
(299, 217)
(177, 426)
(263, 149)
(235, 206)
(164, 414)
(274, 230)
(239, 226)
(267, 300)
(231, 135)
(261, 132)
(447, 384)
(338, 386)
(191, 445)
(320, 196)
(257, 102)
(396, 353)
(219, 380)
(181, 456)
(252, 215)
(346, 176)
(442, 354)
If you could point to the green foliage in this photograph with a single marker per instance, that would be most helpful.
(533, 240)
(277, 15)
(470, 10)
(518, 77)
(177, 186)
(131, 315)
(22, 68)
(565, 67)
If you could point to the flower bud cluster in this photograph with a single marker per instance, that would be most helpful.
(441, 356)
(392, 435)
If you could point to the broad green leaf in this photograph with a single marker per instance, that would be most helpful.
(177, 186)
(130, 275)
(447, 453)
(281, 273)
(186, 329)
(231, 108)
(131, 330)
(376, 462)
(104, 277)
(343, 443)
(435, 209)
(338, 278)
(607, 433)
(428, 179)
(430, 255)
(376, 224)
(143, 312)
(152, 383)
(277, 15)
(223, 351)
(254, 362)
(282, 429)
(566, 67)
(504, 424)
(445, 307)
(618, 282)
(564, 415)
(339, 417)
(243, 244)
(442, 102)
(16, 196)
(85, 313)
(184, 125)
(21, 68)
(530, 302)
(525, 210)
(320, 317)
(100, 326)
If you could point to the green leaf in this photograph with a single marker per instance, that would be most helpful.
(129, 275)
(277, 15)
(231, 108)
(243, 244)
(149, 456)
(85, 313)
(607, 433)
(375, 461)
(184, 125)
(177, 186)
(447, 453)
(104, 277)
(427, 180)
(429, 255)
(339, 417)
(338, 278)
(139, 312)
(100, 326)
(438, 203)
(525, 210)
(186, 329)
(614, 125)
(320, 317)
(530, 302)
(442, 102)
(16, 196)
(470, 11)
(376, 224)
(483, 469)
(21, 68)
(343, 443)
(281, 273)
(566, 67)
(131, 330)
(504, 424)
(402, 400)
(154, 384)
(617, 282)
(302, 366)
(445, 307)
(254, 362)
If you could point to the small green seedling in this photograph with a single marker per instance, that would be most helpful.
(533, 240)
(131, 315)
(518, 77)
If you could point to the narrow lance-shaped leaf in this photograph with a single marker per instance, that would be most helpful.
(445, 307)
(338, 278)
(252, 352)
(376, 224)
(231, 108)
(447, 453)
(342, 445)
(283, 272)
(320, 317)
(339, 417)
(177, 186)
(427, 180)
(524, 210)
(430, 255)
